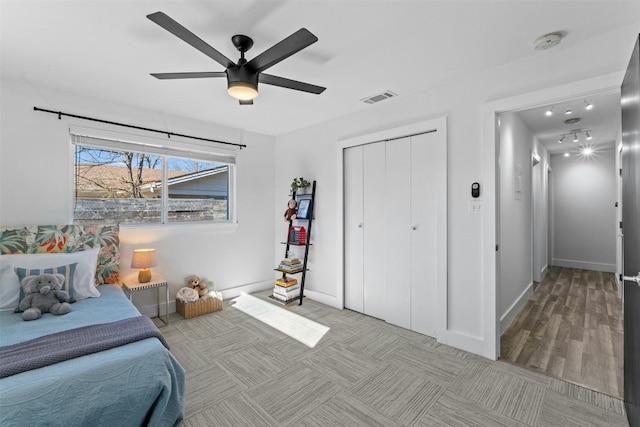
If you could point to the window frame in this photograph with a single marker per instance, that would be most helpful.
(171, 148)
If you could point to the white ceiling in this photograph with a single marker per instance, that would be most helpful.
(602, 122)
(106, 49)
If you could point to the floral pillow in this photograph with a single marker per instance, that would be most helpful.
(33, 239)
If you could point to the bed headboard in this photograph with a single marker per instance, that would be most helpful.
(33, 239)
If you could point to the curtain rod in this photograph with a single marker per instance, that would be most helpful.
(169, 134)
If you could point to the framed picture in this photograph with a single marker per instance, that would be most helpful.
(303, 208)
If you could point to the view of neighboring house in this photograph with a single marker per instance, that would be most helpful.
(113, 181)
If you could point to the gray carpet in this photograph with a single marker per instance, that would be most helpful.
(363, 372)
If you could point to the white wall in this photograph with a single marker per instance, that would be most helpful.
(36, 188)
(247, 256)
(540, 206)
(515, 274)
(461, 99)
(584, 196)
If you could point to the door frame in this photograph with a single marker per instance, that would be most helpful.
(491, 226)
(440, 124)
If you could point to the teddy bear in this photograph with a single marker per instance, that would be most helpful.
(43, 294)
(291, 212)
(196, 283)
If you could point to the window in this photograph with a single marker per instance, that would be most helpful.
(132, 183)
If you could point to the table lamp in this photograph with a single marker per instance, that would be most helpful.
(143, 259)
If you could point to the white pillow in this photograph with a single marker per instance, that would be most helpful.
(84, 278)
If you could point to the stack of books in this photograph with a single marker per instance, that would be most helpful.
(287, 289)
(290, 265)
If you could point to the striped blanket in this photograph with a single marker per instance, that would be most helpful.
(61, 346)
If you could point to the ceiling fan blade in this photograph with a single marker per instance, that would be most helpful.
(283, 49)
(290, 84)
(187, 36)
(194, 75)
(247, 102)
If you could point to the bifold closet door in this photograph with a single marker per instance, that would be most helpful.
(426, 187)
(364, 254)
(374, 246)
(397, 232)
(353, 229)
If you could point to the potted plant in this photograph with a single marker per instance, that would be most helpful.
(298, 183)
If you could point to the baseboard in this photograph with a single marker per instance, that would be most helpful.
(544, 271)
(330, 300)
(463, 342)
(516, 307)
(585, 265)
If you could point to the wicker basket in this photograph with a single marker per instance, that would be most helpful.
(198, 308)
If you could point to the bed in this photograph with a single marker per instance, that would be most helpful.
(139, 383)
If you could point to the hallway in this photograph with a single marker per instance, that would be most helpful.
(571, 329)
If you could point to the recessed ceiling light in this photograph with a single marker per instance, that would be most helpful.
(587, 151)
(547, 41)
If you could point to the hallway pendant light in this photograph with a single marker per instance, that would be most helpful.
(587, 105)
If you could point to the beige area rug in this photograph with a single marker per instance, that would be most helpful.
(297, 327)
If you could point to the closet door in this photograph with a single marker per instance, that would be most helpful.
(426, 185)
(398, 233)
(353, 229)
(374, 203)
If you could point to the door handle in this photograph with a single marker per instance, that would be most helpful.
(635, 279)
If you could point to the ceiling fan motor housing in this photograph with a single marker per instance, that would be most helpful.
(241, 74)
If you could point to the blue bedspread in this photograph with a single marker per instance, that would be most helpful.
(137, 384)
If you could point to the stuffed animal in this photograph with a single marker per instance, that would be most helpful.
(196, 283)
(43, 294)
(292, 209)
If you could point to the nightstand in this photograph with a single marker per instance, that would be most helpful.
(132, 285)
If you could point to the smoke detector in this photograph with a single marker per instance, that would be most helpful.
(547, 41)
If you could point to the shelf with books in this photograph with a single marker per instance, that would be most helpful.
(298, 235)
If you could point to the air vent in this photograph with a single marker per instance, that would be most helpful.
(379, 97)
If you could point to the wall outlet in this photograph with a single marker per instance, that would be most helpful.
(475, 206)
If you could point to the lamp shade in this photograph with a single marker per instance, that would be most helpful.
(143, 258)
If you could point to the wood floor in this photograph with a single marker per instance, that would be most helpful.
(363, 372)
(571, 328)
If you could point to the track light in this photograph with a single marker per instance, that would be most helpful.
(588, 136)
(549, 112)
(575, 137)
(561, 140)
(587, 105)
(568, 111)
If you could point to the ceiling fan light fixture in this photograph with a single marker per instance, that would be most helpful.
(242, 91)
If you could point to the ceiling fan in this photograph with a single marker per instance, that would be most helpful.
(243, 77)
